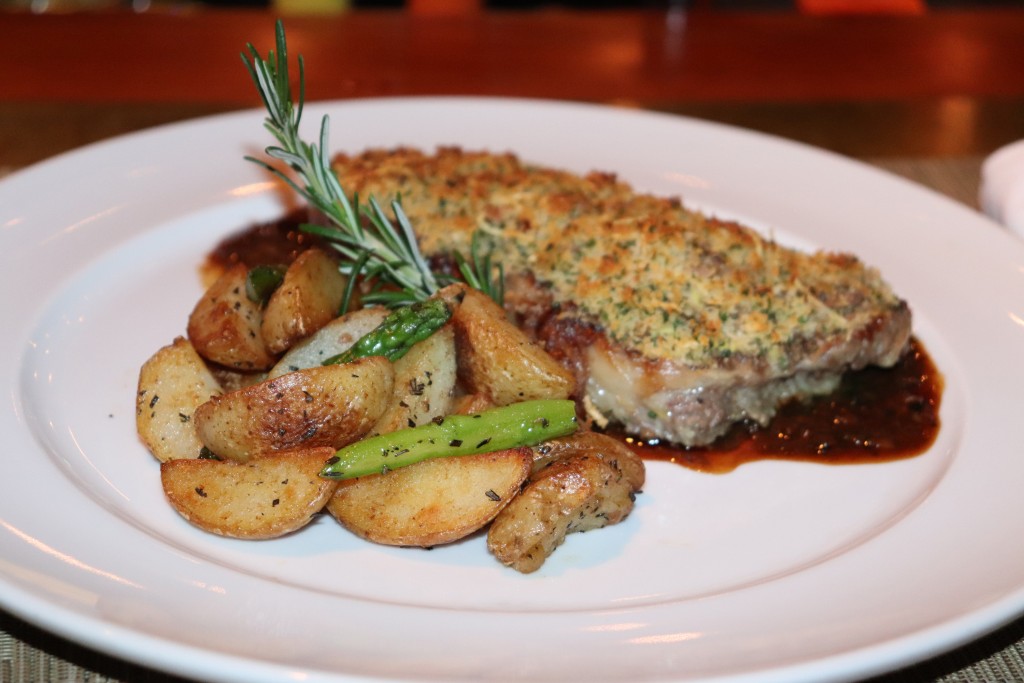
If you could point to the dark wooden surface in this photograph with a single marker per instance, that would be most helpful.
(652, 58)
(939, 84)
(943, 83)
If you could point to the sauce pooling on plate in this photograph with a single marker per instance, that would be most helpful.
(876, 415)
(271, 243)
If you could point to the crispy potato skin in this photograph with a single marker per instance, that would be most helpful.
(617, 454)
(583, 483)
(496, 358)
(432, 502)
(173, 383)
(225, 324)
(267, 497)
(330, 405)
(308, 298)
(273, 422)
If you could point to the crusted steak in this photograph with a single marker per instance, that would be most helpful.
(677, 324)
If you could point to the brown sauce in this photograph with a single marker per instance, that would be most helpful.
(876, 415)
(271, 243)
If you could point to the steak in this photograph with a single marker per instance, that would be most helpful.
(677, 324)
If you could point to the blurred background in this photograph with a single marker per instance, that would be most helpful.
(462, 6)
(864, 78)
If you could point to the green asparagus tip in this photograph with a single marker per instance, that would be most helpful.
(400, 331)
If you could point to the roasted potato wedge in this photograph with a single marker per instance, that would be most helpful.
(307, 299)
(268, 496)
(330, 340)
(580, 483)
(617, 454)
(432, 502)
(172, 384)
(498, 359)
(424, 382)
(224, 326)
(331, 405)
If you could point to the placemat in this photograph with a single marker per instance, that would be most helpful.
(29, 655)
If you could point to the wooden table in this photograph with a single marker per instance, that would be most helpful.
(924, 96)
(943, 84)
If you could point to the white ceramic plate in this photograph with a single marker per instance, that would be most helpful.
(1001, 194)
(787, 571)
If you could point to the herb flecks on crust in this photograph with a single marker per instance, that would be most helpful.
(659, 279)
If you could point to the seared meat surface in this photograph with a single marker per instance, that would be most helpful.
(676, 324)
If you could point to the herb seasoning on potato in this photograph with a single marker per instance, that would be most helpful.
(399, 400)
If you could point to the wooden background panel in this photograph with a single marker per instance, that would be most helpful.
(659, 58)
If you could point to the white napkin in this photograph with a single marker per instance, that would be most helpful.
(1002, 186)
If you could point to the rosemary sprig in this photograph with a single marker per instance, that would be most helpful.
(480, 273)
(377, 249)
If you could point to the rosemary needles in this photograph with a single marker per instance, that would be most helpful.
(373, 244)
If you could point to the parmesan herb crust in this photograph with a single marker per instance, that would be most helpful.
(660, 279)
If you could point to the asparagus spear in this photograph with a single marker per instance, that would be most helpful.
(262, 282)
(398, 332)
(520, 424)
